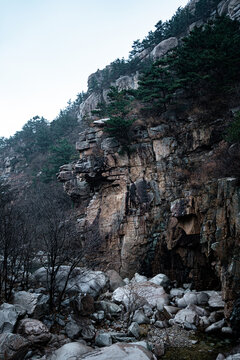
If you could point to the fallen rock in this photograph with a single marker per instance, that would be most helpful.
(139, 278)
(161, 280)
(115, 280)
(13, 346)
(73, 330)
(139, 294)
(8, 317)
(188, 315)
(215, 299)
(35, 304)
(134, 330)
(120, 352)
(82, 280)
(215, 326)
(70, 351)
(34, 331)
(140, 318)
(109, 308)
(103, 339)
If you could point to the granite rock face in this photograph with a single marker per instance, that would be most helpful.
(148, 211)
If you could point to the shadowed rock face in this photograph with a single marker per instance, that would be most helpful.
(143, 211)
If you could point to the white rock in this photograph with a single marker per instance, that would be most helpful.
(215, 326)
(187, 315)
(139, 293)
(139, 278)
(70, 351)
(120, 352)
(161, 280)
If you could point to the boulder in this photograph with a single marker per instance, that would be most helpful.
(88, 332)
(188, 315)
(215, 326)
(140, 318)
(81, 280)
(34, 331)
(103, 339)
(73, 330)
(70, 351)
(13, 346)
(120, 352)
(233, 357)
(115, 280)
(35, 304)
(215, 299)
(8, 317)
(163, 47)
(109, 308)
(139, 278)
(161, 280)
(134, 330)
(140, 294)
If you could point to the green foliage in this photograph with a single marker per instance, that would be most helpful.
(59, 154)
(157, 86)
(117, 110)
(206, 62)
(233, 133)
(210, 56)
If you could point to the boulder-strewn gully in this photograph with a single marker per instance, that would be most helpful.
(109, 318)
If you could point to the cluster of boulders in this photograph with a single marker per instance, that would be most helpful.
(105, 317)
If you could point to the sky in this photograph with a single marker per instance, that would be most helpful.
(48, 48)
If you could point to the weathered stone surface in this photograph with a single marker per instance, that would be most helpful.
(73, 330)
(34, 330)
(109, 308)
(161, 280)
(140, 318)
(120, 352)
(70, 351)
(81, 280)
(188, 315)
(35, 304)
(215, 300)
(8, 317)
(215, 327)
(115, 280)
(134, 330)
(103, 339)
(145, 292)
(163, 47)
(13, 346)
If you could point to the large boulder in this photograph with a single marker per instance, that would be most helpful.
(139, 294)
(35, 304)
(13, 346)
(8, 317)
(70, 351)
(81, 280)
(34, 331)
(120, 352)
(163, 47)
(161, 280)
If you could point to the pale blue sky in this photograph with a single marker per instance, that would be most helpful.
(48, 48)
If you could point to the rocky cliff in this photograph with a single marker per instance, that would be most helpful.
(156, 209)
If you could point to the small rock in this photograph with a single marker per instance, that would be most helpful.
(215, 326)
(103, 339)
(73, 330)
(88, 333)
(227, 330)
(139, 278)
(134, 330)
(140, 318)
(161, 279)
